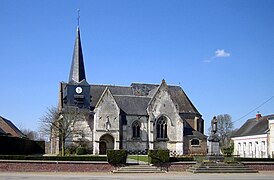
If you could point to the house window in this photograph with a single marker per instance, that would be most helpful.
(250, 148)
(239, 148)
(161, 128)
(195, 142)
(244, 149)
(263, 145)
(136, 129)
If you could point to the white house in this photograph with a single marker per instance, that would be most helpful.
(255, 138)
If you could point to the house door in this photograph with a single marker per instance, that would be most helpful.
(106, 142)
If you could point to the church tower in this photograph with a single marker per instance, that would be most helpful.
(76, 93)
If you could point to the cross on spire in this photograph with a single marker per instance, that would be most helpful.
(78, 17)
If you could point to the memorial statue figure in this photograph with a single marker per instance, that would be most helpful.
(214, 122)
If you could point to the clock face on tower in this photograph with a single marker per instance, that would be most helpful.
(78, 90)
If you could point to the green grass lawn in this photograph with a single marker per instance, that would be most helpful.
(139, 157)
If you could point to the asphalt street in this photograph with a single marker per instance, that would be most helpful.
(109, 176)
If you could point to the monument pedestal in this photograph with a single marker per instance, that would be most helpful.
(214, 149)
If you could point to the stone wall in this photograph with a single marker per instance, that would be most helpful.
(260, 166)
(53, 166)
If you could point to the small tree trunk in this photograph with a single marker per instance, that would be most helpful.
(63, 145)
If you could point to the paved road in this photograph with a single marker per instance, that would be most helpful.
(108, 176)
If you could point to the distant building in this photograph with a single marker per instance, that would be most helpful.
(255, 138)
(7, 128)
(136, 118)
(14, 142)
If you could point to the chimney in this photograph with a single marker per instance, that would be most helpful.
(258, 115)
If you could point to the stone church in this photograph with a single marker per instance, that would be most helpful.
(138, 117)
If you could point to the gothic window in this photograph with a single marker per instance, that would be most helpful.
(136, 129)
(161, 128)
(195, 142)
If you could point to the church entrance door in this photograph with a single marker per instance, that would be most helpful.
(102, 148)
(106, 142)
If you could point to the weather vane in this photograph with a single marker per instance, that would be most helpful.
(78, 17)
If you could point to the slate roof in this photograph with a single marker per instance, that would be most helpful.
(97, 90)
(8, 128)
(178, 95)
(77, 70)
(143, 93)
(190, 132)
(137, 95)
(132, 105)
(254, 127)
(176, 92)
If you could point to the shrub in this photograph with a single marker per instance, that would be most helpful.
(199, 159)
(181, 158)
(81, 150)
(117, 157)
(228, 151)
(70, 150)
(159, 156)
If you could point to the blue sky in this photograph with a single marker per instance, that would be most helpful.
(220, 52)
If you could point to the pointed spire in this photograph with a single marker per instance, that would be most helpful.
(77, 70)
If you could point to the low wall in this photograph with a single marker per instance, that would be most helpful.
(180, 166)
(177, 166)
(53, 166)
(260, 166)
(84, 166)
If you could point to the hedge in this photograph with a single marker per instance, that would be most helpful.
(20, 146)
(54, 158)
(178, 159)
(159, 156)
(117, 157)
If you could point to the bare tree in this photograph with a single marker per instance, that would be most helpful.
(224, 129)
(60, 125)
(30, 134)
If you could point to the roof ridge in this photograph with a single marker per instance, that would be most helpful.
(109, 85)
(132, 96)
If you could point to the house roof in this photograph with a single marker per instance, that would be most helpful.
(2, 132)
(254, 127)
(8, 128)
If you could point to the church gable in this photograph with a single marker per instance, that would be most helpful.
(107, 112)
(161, 107)
(161, 102)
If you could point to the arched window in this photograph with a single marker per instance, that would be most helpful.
(161, 128)
(195, 142)
(136, 129)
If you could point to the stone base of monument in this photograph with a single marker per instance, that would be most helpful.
(215, 158)
(213, 148)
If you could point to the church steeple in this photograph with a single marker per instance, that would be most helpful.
(77, 70)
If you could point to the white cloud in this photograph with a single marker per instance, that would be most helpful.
(220, 53)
